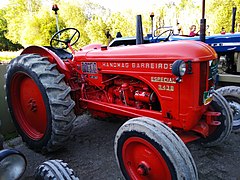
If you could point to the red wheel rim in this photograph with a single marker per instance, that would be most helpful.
(143, 161)
(28, 106)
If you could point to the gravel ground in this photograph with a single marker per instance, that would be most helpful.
(90, 153)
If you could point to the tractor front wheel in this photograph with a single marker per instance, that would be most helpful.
(147, 149)
(39, 102)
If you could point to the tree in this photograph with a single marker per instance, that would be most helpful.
(39, 28)
(119, 23)
(3, 22)
(223, 15)
(97, 29)
(17, 10)
(6, 44)
(188, 13)
(73, 16)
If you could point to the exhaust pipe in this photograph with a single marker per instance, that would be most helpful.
(203, 24)
(139, 30)
(234, 10)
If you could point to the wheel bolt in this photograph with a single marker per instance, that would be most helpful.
(32, 105)
(140, 171)
(143, 169)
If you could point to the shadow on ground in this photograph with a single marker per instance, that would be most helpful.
(90, 153)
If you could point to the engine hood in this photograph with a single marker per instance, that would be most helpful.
(185, 50)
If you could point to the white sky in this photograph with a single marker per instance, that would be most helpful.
(3, 3)
(119, 5)
(136, 5)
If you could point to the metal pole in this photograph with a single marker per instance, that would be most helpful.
(203, 9)
(57, 22)
(203, 23)
(151, 16)
(234, 10)
(55, 9)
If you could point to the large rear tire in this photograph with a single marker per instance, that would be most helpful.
(232, 95)
(218, 134)
(39, 102)
(54, 170)
(147, 149)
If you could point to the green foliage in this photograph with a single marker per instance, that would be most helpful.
(222, 15)
(160, 15)
(188, 13)
(97, 29)
(6, 44)
(73, 16)
(3, 22)
(31, 22)
(17, 10)
(41, 25)
(119, 23)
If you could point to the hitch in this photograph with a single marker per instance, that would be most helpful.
(203, 127)
(210, 118)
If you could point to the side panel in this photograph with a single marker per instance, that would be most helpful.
(157, 75)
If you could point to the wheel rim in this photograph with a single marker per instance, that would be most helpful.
(28, 106)
(235, 107)
(143, 161)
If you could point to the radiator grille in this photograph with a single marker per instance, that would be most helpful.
(202, 81)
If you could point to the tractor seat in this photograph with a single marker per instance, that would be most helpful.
(63, 54)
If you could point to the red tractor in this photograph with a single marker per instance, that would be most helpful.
(167, 88)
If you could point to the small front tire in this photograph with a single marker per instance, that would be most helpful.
(54, 170)
(147, 149)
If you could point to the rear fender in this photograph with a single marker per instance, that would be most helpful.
(53, 58)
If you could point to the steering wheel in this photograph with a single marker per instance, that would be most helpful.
(62, 39)
(169, 34)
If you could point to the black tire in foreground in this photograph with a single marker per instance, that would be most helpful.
(232, 95)
(219, 133)
(39, 102)
(54, 170)
(147, 149)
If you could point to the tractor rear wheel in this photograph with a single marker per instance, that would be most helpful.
(147, 149)
(39, 102)
(217, 134)
(232, 95)
(55, 170)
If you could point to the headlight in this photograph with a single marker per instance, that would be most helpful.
(179, 68)
(12, 164)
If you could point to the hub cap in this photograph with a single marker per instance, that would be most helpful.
(143, 161)
(235, 107)
(28, 106)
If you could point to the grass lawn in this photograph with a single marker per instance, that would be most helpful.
(6, 56)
